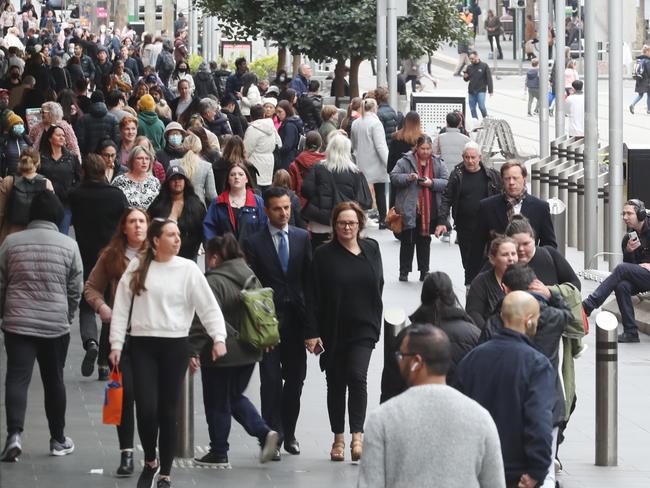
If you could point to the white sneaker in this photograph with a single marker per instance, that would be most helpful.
(61, 449)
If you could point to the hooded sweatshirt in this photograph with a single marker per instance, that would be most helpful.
(260, 141)
(151, 126)
(299, 168)
(96, 125)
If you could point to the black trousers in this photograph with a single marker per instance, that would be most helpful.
(348, 371)
(159, 365)
(464, 236)
(282, 375)
(496, 38)
(411, 242)
(22, 352)
(380, 198)
(126, 429)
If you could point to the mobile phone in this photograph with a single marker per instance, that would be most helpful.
(318, 349)
(633, 236)
(421, 180)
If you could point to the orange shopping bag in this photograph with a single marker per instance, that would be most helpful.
(113, 398)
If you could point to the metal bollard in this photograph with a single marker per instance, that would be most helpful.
(606, 389)
(558, 217)
(572, 204)
(185, 419)
(581, 213)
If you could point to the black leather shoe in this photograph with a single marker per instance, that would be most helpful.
(423, 275)
(627, 337)
(88, 363)
(292, 447)
(126, 465)
(403, 276)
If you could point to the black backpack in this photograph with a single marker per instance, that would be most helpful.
(20, 199)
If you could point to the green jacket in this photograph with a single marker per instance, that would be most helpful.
(226, 281)
(151, 126)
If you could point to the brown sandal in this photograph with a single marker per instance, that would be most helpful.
(338, 451)
(356, 449)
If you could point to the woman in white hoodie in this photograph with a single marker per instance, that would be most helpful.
(155, 302)
(250, 94)
(260, 140)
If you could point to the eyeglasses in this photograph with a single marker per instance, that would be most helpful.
(344, 225)
(399, 355)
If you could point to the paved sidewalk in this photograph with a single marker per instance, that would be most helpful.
(97, 443)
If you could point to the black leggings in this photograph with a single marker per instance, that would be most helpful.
(348, 370)
(22, 351)
(380, 199)
(159, 365)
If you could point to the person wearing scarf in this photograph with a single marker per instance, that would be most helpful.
(419, 179)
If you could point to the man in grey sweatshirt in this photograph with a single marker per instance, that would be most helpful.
(430, 435)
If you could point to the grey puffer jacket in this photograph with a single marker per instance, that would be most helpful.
(406, 199)
(389, 119)
(41, 281)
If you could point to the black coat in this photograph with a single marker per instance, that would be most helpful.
(290, 132)
(389, 119)
(290, 289)
(330, 292)
(64, 173)
(323, 190)
(169, 153)
(309, 107)
(493, 218)
(190, 223)
(204, 85)
(238, 123)
(516, 384)
(96, 211)
(95, 126)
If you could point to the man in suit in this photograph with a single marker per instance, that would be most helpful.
(495, 213)
(280, 256)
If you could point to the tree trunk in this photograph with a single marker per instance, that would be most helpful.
(282, 59)
(121, 14)
(295, 64)
(640, 25)
(339, 78)
(355, 63)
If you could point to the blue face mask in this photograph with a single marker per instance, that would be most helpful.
(19, 129)
(176, 139)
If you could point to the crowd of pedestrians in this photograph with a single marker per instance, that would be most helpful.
(157, 169)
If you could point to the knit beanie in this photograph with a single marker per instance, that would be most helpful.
(13, 119)
(146, 103)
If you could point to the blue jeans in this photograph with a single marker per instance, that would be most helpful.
(626, 280)
(223, 398)
(64, 226)
(479, 98)
(638, 98)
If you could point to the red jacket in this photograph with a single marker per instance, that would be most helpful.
(299, 168)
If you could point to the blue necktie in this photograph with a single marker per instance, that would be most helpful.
(283, 251)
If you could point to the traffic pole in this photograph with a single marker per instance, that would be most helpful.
(381, 42)
(544, 141)
(615, 232)
(559, 65)
(392, 53)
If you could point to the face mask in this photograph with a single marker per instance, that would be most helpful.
(71, 51)
(19, 129)
(175, 139)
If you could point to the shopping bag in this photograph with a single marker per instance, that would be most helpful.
(113, 393)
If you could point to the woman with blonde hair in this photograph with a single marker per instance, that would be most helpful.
(402, 141)
(198, 170)
(14, 212)
(52, 114)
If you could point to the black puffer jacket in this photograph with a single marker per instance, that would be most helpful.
(290, 131)
(204, 85)
(309, 107)
(219, 126)
(96, 125)
(169, 153)
(642, 85)
(389, 119)
(324, 190)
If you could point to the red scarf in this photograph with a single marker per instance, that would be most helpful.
(424, 197)
(225, 198)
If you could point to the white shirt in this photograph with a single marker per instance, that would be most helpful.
(576, 111)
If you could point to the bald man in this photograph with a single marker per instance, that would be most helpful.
(516, 384)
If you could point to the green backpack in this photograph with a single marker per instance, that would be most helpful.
(259, 325)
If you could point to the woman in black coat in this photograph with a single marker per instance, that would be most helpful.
(402, 141)
(189, 214)
(439, 307)
(291, 128)
(348, 281)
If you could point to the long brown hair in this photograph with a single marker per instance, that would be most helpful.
(140, 274)
(411, 131)
(342, 207)
(113, 254)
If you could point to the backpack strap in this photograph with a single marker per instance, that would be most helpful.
(247, 284)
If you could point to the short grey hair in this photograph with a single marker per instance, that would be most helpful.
(472, 145)
(56, 111)
(208, 104)
(135, 152)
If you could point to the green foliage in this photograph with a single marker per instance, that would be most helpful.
(335, 29)
(264, 67)
(193, 62)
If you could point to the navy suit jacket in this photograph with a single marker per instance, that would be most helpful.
(289, 290)
(493, 217)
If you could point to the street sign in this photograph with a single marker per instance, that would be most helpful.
(402, 7)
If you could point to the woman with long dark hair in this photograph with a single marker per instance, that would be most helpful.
(348, 281)
(250, 94)
(178, 201)
(233, 153)
(61, 167)
(156, 300)
(129, 241)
